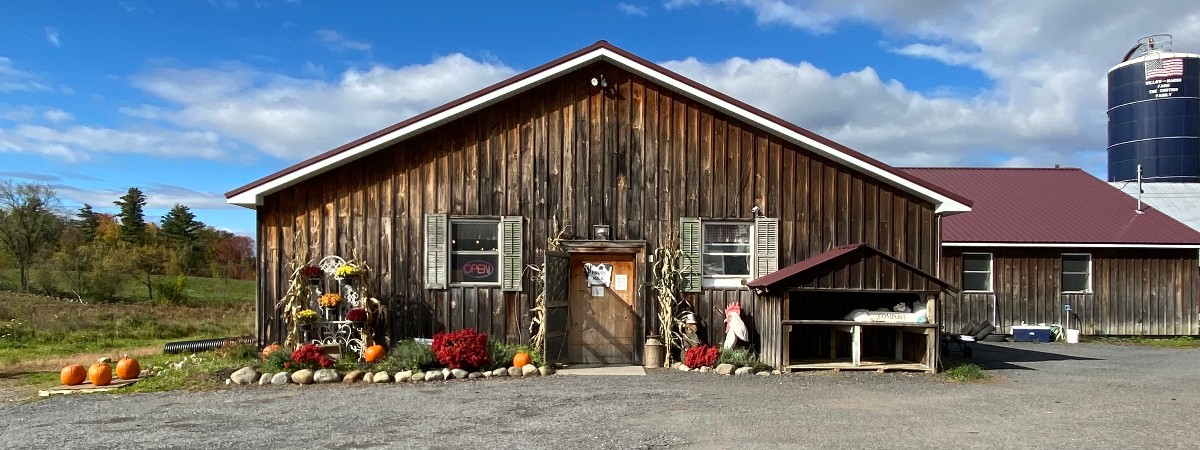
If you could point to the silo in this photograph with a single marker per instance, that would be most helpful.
(1154, 114)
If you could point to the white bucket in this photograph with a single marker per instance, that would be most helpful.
(1072, 336)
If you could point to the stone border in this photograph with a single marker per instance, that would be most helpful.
(249, 375)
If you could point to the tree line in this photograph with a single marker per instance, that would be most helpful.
(88, 254)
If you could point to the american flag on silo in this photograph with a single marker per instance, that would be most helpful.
(1164, 68)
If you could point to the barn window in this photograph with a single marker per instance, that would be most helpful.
(720, 253)
(473, 251)
(1076, 272)
(977, 272)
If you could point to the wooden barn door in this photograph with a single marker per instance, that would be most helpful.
(558, 320)
(602, 297)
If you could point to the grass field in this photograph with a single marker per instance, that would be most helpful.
(200, 291)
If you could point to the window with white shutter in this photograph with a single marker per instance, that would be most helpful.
(473, 251)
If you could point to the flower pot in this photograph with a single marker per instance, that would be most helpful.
(314, 281)
(348, 281)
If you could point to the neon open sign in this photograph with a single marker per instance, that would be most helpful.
(477, 269)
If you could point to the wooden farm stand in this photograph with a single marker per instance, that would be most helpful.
(814, 296)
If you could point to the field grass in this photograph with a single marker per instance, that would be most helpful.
(1163, 342)
(199, 291)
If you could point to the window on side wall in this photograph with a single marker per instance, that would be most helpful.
(1076, 272)
(727, 250)
(473, 251)
(726, 253)
(977, 272)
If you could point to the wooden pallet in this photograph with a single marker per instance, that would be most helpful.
(85, 388)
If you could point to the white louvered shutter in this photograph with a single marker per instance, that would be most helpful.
(690, 257)
(511, 256)
(766, 245)
(437, 249)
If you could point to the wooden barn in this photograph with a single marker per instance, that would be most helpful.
(610, 157)
(1039, 240)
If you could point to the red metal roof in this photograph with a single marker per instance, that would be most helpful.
(779, 279)
(1049, 206)
(639, 60)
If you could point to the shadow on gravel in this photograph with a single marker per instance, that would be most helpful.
(991, 357)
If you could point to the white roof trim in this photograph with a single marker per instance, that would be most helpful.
(254, 196)
(1061, 245)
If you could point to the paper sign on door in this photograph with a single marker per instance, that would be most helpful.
(620, 282)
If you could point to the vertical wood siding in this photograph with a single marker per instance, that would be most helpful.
(565, 155)
(1134, 291)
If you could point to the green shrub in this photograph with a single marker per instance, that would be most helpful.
(171, 292)
(239, 350)
(535, 357)
(501, 353)
(960, 371)
(739, 357)
(408, 355)
(275, 360)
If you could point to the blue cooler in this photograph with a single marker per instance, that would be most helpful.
(1030, 333)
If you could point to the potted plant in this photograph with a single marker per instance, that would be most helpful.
(313, 273)
(357, 315)
(348, 272)
(330, 300)
(306, 317)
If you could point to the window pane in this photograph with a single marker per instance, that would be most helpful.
(726, 265)
(1076, 263)
(977, 262)
(474, 268)
(474, 236)
(1075, 282)
(736, 233)
(726, 248)
(977, 281)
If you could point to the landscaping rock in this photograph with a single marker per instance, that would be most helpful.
(353, 376)
(489, 374)
(725, 369)
(474, 375)
(546, 370)
(459, 374)
(705, 369)
(326, 376)
(417, 376)
(765, 373)
(434, 375)
(245, 375)
(281, 378)
(514, 371)
(381, 377)
(368, 377)
(744, 371)
(303, 376)
(501, 372)
(446, 374)
(529, 370)
(402, 377)
(683, 367)
(264, 379)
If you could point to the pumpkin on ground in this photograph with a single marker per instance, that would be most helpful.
(72, 374)
(128, 368)
(100, 374)
(521, 359)
(374, 353)
(268, 350)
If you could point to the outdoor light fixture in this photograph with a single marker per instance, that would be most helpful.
(601, 232)
(756, 211)
(600, 82)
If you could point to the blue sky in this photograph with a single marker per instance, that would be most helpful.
(188, 99)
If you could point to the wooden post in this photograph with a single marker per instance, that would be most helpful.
(856, 345)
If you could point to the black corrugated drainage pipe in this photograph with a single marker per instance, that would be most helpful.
(203, 345)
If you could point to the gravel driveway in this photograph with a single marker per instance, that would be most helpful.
(1042, 395)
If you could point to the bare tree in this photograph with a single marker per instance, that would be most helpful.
(30, 222)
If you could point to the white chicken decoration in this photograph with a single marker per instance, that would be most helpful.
(735, 329)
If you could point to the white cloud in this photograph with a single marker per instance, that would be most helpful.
(53, 37)
(79, 143)
(631, 9)
(292, 118)
(338, 42)
(1047, 63)
(14, 80)
(57, 115)
(158, 197)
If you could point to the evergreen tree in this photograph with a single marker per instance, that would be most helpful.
(88, 222)
(180, 225)
(133, 219)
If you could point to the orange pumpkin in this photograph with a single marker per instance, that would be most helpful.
(268, 350)
(100, 374)
(128, 368)
(521, 359)
(72, 374)
(374, 353)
